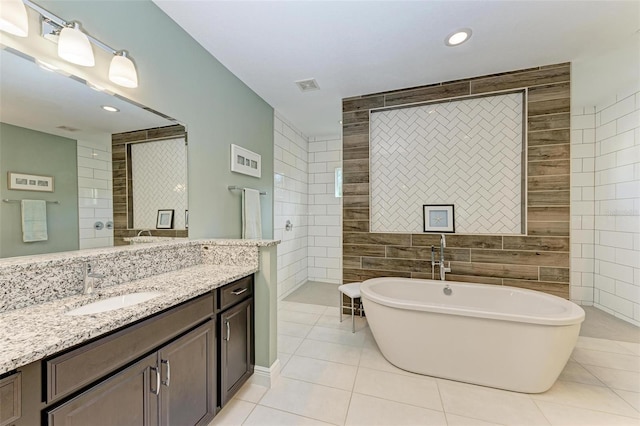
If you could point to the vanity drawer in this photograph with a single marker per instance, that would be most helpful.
(71, 371)
(10, 399)
(235, 292)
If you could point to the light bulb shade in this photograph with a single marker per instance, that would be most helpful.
(74, 46)
(13, 17)
(122, 71)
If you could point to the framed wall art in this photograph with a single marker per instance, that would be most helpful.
(245, 161)
(438, 218)
(28, 182)
(165, 219)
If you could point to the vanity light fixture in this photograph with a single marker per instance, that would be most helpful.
(458, 37)
(13, 18)
(110, 108)
(122, 71)
(74, 46)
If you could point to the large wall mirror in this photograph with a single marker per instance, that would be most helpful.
(54, 126)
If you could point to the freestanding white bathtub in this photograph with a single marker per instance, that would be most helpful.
(497, 336)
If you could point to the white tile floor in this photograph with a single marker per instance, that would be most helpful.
(331, 376)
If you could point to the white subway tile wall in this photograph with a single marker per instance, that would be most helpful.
(605, 231)
(95, 198)
(325, 211)
(582, 204)
(617, 206)
(291, 185)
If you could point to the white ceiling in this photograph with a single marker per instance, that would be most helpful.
(359, 47)
(41, 100)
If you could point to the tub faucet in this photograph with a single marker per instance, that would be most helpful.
(443, 269)
(89, 278)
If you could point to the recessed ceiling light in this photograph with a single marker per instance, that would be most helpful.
(458, 37)
(110, 108)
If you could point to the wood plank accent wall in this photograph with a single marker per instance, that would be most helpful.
(122, 194)
(538, 260)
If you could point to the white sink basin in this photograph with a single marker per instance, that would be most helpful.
(113, 303)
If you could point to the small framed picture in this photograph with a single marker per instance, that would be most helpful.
(438, 218)
(245, 161)
(24, 182)
(165, 219)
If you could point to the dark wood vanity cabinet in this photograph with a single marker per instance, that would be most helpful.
(177, 367)
(235, 338)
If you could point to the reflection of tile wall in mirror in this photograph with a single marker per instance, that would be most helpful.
(27, 94)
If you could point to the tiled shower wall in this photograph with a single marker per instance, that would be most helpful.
(583, 138)
(617, 206)
(539, 260)
(95, 198)
(325, 211)
(291, 177)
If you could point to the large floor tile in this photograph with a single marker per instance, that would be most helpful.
(492, 405)
(298, 317)
(265, 416)
(288, 344)
(574, 372)
(320, 372)
(617, 379)
(251, 392)
(372, 358)
(342, 337)
(632, 398)
(233, 414)
(607, 359)
(301, 307)
(369, 411)
(586, 396)
(284, 358)
(455, 420)
(332, 321)
(309, 400)
(563, 415)
(602, 345)
(634, 348)
(420, 391)
(328, 351)
(293, 329)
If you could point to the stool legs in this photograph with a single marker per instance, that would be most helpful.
(353, 317)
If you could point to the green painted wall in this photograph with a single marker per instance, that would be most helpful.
(28, 151)
(179, 78)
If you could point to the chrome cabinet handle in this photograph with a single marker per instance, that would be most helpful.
(228, 330)
(157, 391)
(239, 292)
(166, 362)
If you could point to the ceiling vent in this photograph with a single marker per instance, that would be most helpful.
(308, 85)
(67, 128)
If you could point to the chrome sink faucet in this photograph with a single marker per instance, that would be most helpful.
(442, 267)
(148, 231)
(88, 278)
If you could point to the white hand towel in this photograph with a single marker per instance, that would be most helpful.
(34, 220)
(251, 217)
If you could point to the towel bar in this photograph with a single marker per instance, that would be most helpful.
(237, 188)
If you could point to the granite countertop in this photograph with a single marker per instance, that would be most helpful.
(37, 331)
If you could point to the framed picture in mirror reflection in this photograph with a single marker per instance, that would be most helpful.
(165, 219)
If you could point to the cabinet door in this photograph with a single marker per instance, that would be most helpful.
(127, 398)
(236, 354)
(188, 370)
